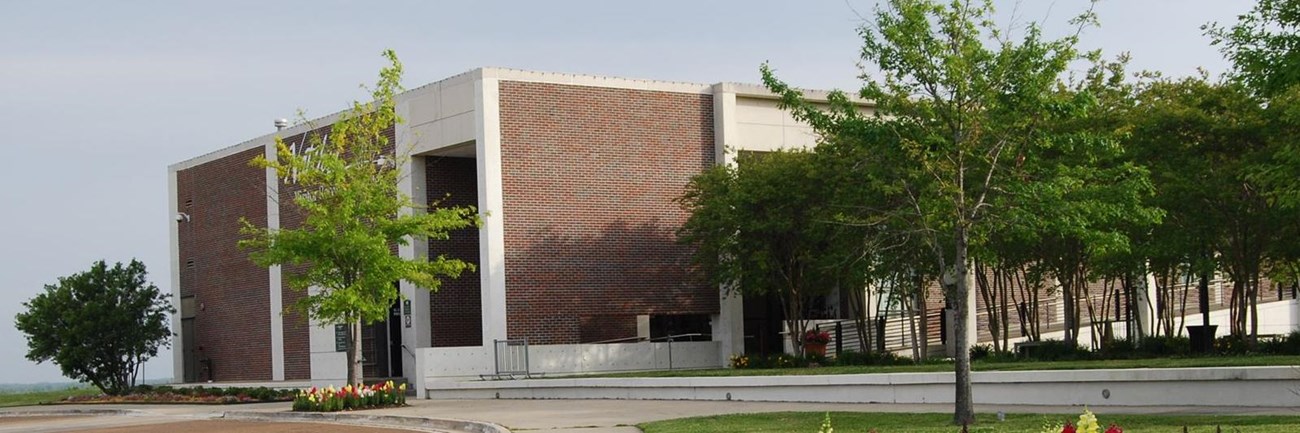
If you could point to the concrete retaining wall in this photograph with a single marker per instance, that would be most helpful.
(1218, 387)
(440, 363)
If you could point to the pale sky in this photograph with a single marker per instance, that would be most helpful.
(98, 98)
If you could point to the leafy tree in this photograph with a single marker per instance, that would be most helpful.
(1263, 45)
(354, 216)
(961, 111)
(875, 259)
(757, 230)
(1203, 141)
(99, 326)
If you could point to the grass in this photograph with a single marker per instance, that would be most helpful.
(850, 422)
(944, 366)
(42, 397)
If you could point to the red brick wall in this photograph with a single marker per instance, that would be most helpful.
(297, 329)
(456, 308)
(589, 176)
(231, 327)
(297, 332)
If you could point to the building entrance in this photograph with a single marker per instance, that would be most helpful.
(381, 345)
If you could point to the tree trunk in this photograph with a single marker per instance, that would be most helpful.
(964, 410)
(919, 288)
(1204, 292)
(354, 352)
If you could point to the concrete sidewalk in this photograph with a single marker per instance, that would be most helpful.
(620, 416)
(575, 416)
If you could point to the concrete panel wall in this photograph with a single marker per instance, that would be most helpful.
(441, 114)
(762, 126)
(1211, 387)
(443, 363)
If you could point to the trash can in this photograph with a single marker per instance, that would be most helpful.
(1202, 337)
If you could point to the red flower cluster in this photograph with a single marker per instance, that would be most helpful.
(816, 337)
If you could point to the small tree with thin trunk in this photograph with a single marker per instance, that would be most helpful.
(354, 214)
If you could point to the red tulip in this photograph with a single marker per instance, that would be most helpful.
(1069, 428)
(1114, 429)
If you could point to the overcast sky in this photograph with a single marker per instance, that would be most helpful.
(98, 98)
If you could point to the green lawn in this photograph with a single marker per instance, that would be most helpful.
(942, 366)
(39, 397)
(849, 422)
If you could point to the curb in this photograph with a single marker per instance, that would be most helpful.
(371, 420)
(10, 413)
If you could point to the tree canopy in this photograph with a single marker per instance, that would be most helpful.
(98, 326)
(346, 186)
(975, 131)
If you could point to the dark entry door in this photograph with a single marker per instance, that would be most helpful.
(381, 345)
(763, 325)
(189, 358)
(395, 339)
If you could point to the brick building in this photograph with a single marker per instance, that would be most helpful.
(575, 177)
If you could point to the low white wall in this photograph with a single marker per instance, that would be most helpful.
(1217, 387)
(441, 363)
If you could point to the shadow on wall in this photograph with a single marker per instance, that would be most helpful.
(573, 284)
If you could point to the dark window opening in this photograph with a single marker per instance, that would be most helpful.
(682, 327)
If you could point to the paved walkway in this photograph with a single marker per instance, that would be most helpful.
(618, 416)
(551, 416)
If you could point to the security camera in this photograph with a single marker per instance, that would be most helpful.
(182, 217)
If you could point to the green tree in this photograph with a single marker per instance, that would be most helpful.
(959, 107)
(98, 326)
(1263, 45)
(757, 227)
(1203, 141)
(354, 216)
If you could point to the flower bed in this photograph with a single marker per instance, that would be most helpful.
(1087, 424)
(350, 397)
(190, 395)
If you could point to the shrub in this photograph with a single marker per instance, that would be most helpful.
(870, 358)
(987, 353)
(1232, 345)
(1283, 345)
(1057, 350)
(1157, 346)
(260, 393)
(1120, 348)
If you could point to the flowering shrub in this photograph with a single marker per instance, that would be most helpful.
(1087, 424)
(768, 361)
(350, 397)
(816, 337)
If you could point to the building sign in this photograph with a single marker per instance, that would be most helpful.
(305, 149)
(406, 312)
(340, 338)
